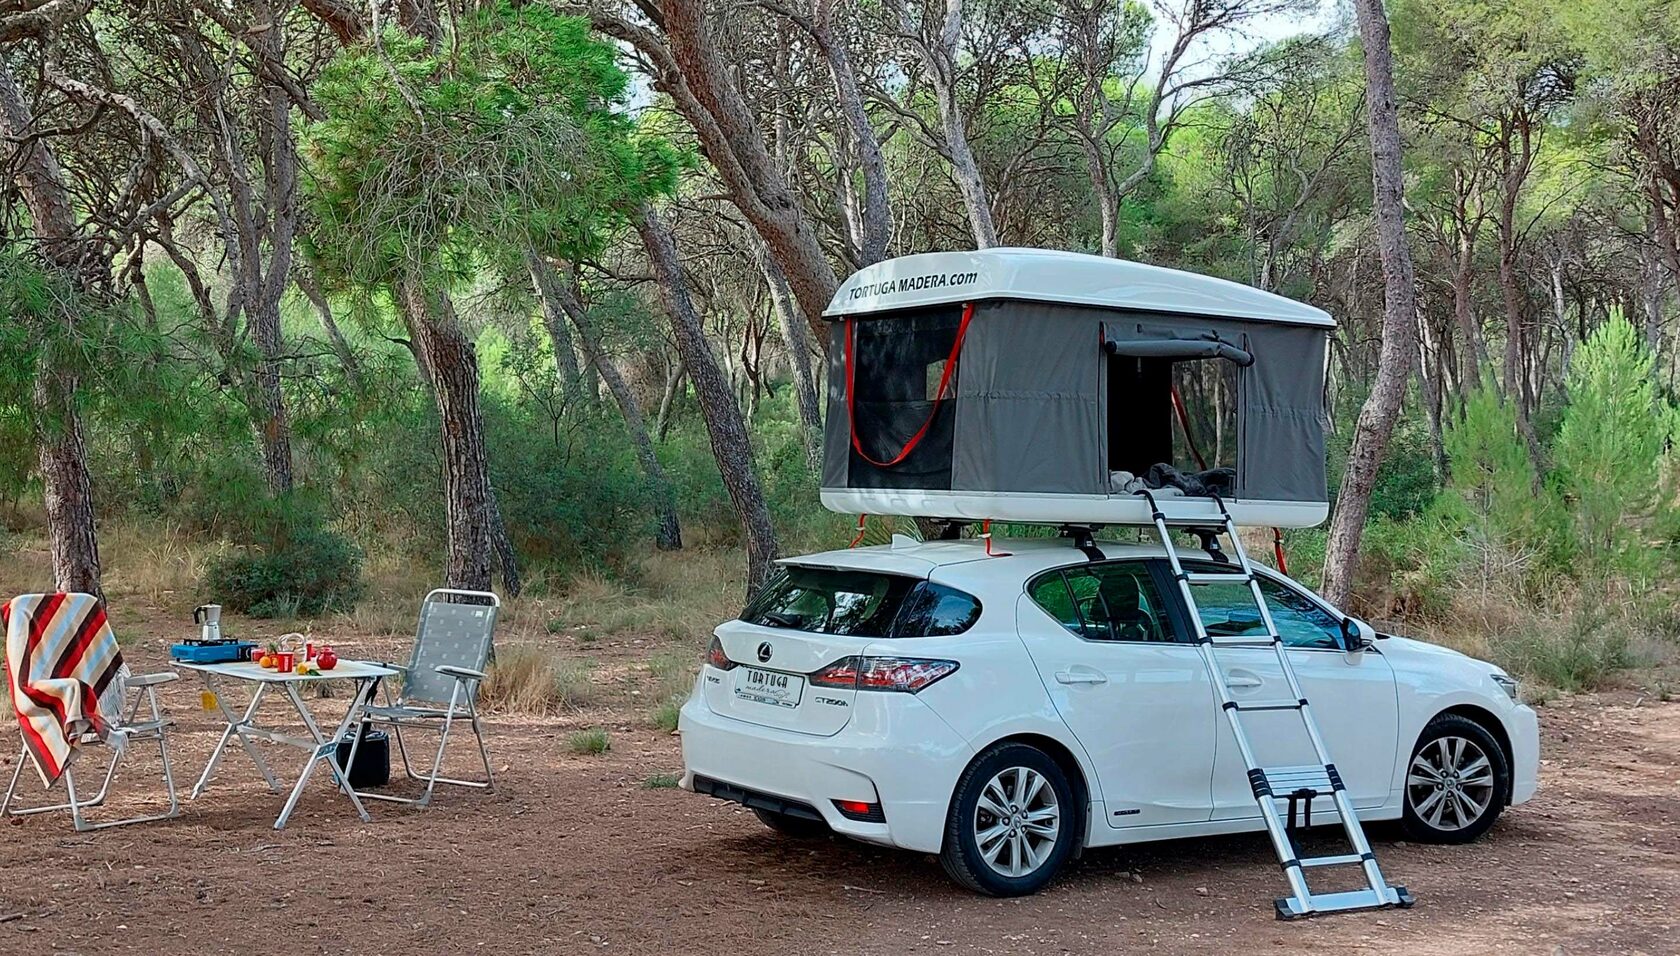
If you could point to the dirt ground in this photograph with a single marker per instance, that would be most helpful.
(578, 853)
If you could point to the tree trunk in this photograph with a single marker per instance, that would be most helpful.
(669, 398)
(501, 549)
(877, 208)
(1376, 418)
(272, 115)
(68, 488)
(724, 424)
(939, 54)
(549, 288)
(306, 282)
(669, 535)
(1108, 203)
(794, 333)
(1464, 314)
(1517, 389)
(700, 78)
(451, 364)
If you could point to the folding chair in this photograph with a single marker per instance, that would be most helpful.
(439, 686)
(130, 731)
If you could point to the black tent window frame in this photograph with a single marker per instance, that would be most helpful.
(1156, 350)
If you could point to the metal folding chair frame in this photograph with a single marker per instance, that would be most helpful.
(462, 705)
(155, 729)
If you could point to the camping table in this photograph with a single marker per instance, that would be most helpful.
(320, 747)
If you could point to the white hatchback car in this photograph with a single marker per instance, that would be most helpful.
(1007, 711)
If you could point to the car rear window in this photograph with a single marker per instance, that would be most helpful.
(861, 604)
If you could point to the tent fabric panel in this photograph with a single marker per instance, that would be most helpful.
(1029, 410)
(1280, 453)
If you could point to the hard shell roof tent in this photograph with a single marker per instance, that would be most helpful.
(1029, 385)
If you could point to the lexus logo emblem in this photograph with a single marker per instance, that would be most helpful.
(764, 652)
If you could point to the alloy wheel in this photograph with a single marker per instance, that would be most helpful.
(1017, 821)
(1450, 783)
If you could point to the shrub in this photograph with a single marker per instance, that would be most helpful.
(1576, 652)
(662, 781)
(305, 572)
(591, 741)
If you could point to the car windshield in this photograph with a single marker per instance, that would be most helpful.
(857, 603)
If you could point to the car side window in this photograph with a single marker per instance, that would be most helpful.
(1105, 602)
(1050, 592)
(934, 610)
(1228, 610)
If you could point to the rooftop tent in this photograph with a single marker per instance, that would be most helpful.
(1038, 386)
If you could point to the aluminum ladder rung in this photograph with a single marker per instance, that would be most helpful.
(1273, 785)
(1215, 577)
(1258, 705)
(1241, 640)
(1345, 859)
(1320, 903)
(1285, 780)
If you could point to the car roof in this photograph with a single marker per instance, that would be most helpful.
(966, 561)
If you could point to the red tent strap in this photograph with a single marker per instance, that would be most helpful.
(1277, 549)
(863, 523)
(938, 397)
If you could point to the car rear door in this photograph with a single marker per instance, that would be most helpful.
(1133, 692)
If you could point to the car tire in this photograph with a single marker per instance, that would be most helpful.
(1004, 800)
(1456, 782)
(798, 828)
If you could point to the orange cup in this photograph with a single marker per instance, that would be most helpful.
(285, 664)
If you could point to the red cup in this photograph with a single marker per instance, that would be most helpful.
(309, 651)
(285, 664)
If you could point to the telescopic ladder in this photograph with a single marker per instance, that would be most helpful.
(1272, 784)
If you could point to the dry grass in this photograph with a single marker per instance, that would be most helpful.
(679, 595)
(1566, 641)
(673, 673)
(536, 681)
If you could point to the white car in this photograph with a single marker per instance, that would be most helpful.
(1006, 711)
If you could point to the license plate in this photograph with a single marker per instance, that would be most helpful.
(769, 687)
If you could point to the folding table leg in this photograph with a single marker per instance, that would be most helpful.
(235, 726)
(324, 750)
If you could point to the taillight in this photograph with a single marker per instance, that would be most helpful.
(717, 658)
(901, 674)
(860, 811)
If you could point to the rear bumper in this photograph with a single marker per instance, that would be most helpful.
(912, 783)
(1524, 727)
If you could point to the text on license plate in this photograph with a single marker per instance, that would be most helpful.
(769, 687)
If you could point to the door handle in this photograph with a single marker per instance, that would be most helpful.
(1082, 676)
(1233, 680)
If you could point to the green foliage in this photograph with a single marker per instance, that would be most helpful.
(511, 134)
(1609, 448)
(1498, 501)
(296, 567)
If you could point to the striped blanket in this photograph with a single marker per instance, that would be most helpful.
(64, 672)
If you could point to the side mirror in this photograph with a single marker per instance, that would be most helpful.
(1357, 635)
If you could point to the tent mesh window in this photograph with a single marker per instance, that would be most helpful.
(896, 366)
(1205, 428)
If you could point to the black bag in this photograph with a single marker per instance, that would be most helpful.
(373, 759)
